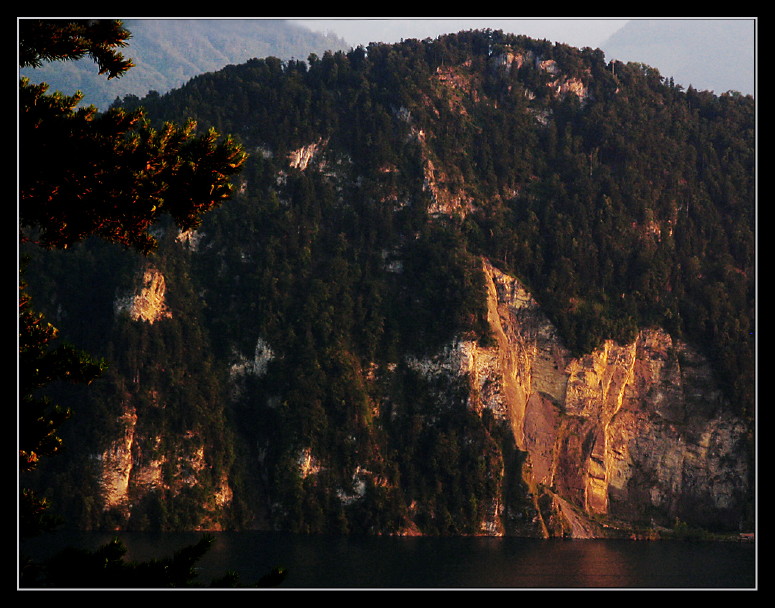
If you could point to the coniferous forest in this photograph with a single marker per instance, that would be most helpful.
(629, 206)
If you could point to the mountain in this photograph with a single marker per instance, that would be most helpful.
(481, 284)
(169, 52)
(708, 54)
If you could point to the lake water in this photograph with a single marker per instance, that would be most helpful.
(322, 562)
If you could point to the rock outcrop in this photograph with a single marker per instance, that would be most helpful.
(629, 435)
(144, 461)
(148, 302)
(132, 469)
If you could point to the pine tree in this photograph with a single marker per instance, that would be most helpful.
(109, 175)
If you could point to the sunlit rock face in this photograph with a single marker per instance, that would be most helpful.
(136, 465)
(629, 434)
(147, 302)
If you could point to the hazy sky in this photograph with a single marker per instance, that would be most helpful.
(575, 31)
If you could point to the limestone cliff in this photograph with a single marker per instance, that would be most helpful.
(139, 465)
(147, 302)
(156, 452)
(629, 435)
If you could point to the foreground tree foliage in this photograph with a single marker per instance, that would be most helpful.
(82, 175)
(111, 175)
(54, 40)
(41, 363)
(107, 567)
(108, 175)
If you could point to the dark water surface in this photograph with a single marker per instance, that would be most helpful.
(327, 562)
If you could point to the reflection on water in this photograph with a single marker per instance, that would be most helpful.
(320, 562)
(606, 563)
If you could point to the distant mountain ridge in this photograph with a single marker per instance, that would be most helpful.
(169, 52)
(716, 55)
(708, 54)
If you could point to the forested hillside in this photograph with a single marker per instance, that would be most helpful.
(377, 182)
(581, 198)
